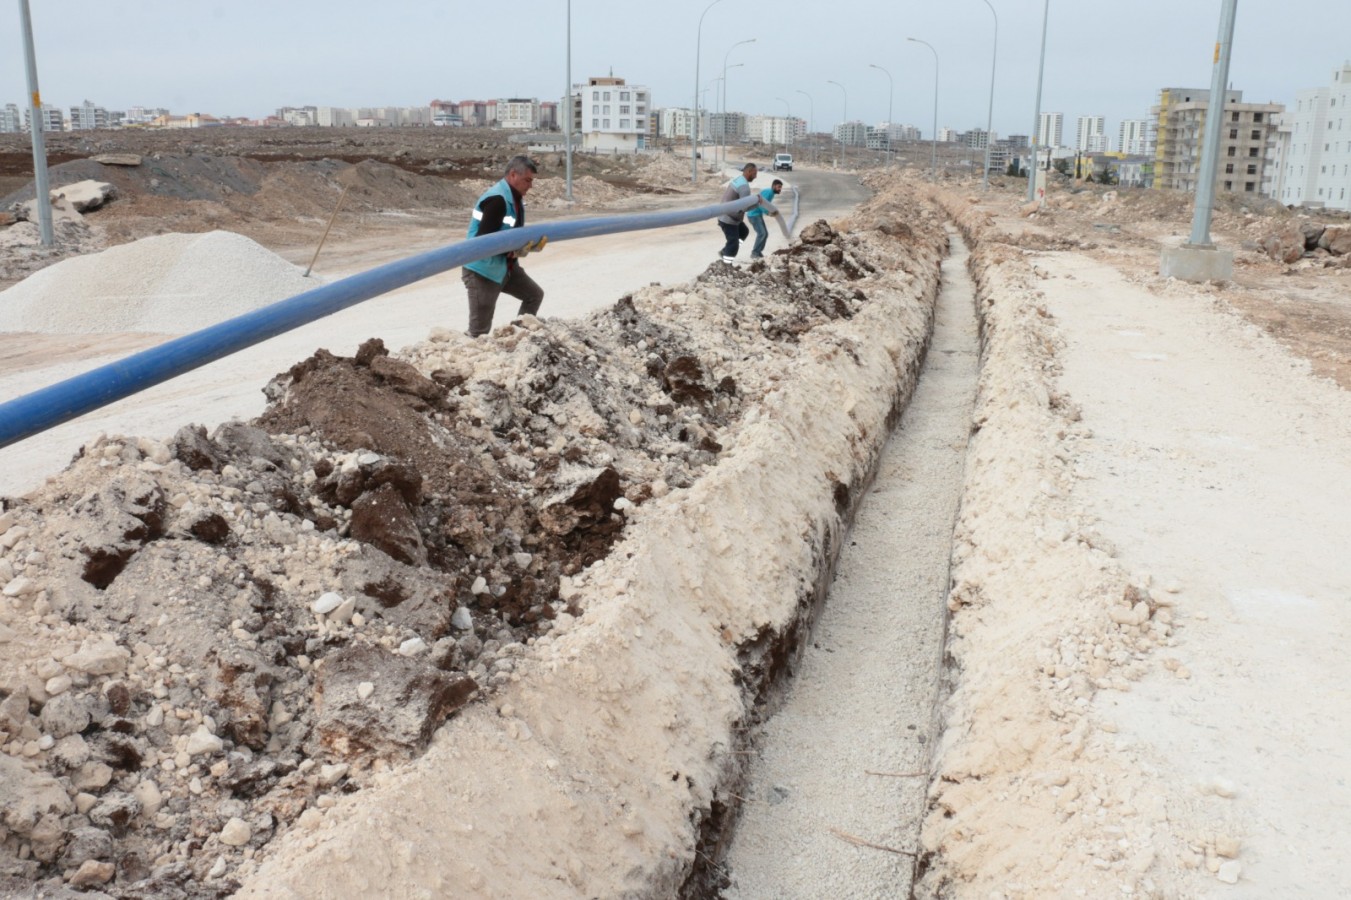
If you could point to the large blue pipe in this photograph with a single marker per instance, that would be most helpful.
(46, 408)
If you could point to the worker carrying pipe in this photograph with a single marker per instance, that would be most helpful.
(502, 207)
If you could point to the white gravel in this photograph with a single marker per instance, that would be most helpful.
(172, 284)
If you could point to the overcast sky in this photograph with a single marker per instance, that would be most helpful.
(247, 58)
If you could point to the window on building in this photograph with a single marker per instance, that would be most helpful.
(1256, 134)
(1233, 151)
(1228, 185)
(606, 96)
(1249, 186)
(1323, 170)
(1252, 151)
(623, 124)
(1257, 117)
(595, 109)
(595, 95)
(1252, 168)
(595, 123)
(1229, 168)
(623, 95)
(1233, 134)
(1233, 117)
(623, 110)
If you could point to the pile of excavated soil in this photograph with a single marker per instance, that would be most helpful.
(593, 539)
(174, 283)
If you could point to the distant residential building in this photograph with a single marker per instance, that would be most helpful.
(446, 113)
(947, 135)
(519, 113)
(976, 138)
(1089, 136)
(300, 116)
(727, 127)
(1310, 154)
(1180, 116)
(1135, 137)
(11, 120)
(478, 113)
(1135, 170)
(52, 119)
(192, 120)
(613, 114)
(852, 134)
(548, 115)
(677, 122)
(144, 115)
(1016, 141)
(87, 117)
(775, 130)
(1050, 130)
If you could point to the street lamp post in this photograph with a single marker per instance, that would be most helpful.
(845, 118)
(41, 193)
(567, 126)
(933, 148)
(724, 92)
(989, 116)
(890, 92)
(811, 117)
(1036, 115)
(694, 128)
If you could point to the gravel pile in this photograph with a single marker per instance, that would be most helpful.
(173, 283)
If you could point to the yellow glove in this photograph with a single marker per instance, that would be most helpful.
(532, 247)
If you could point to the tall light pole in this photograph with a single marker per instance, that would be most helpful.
(1210, 140)
(933, 147)
(724, 92)
(811, 117)
(787, 124)
(891, 87)
(694, 129)
(845, 115)
(989, 116)
(567, 126)
(1036, 115)
(41, 193)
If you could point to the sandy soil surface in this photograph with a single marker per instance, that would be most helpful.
(236, 656)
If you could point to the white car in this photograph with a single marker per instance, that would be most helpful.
(783, 161)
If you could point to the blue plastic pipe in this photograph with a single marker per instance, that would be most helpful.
(51, 406)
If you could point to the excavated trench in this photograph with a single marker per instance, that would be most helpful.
(835, 756)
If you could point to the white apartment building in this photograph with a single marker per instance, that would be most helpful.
(87, 117)
(775, 130)
(300, 116)
(678, 121)
(1089, 135)
(11, 121)
(1050, 130)
(852, 134)
(947, 135)
(518, 112)
(1134, 138)
(1311, 149)
(613, 114)
(52, 119)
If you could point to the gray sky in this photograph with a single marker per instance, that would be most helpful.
(246, 58)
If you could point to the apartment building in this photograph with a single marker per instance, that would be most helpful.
(520, 113)
(613, 115)
(677, 122)
(1309, 152)
(1089, 135)
(852, 134)
(1179, 127)
(11, 120)
(87, 117)
(774, 130)
(1135, 138)
(1051, 130)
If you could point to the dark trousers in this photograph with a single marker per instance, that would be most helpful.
(483, 294)
(761, 236)
(733, 234)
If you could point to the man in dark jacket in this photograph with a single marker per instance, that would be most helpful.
(502, 206)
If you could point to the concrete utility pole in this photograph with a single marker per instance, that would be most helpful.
(694, 127)
(1199, 259)
(989, 116)
(42, 191)
(933, 147)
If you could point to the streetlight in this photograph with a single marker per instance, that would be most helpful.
(811, 117)
(42, 200)
(724, 92)
(567, 127)
(694, 130)
(1036, 115)
(845, 113)
(890, 90)
(989, 116)
(788, 122)
(933, 149)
